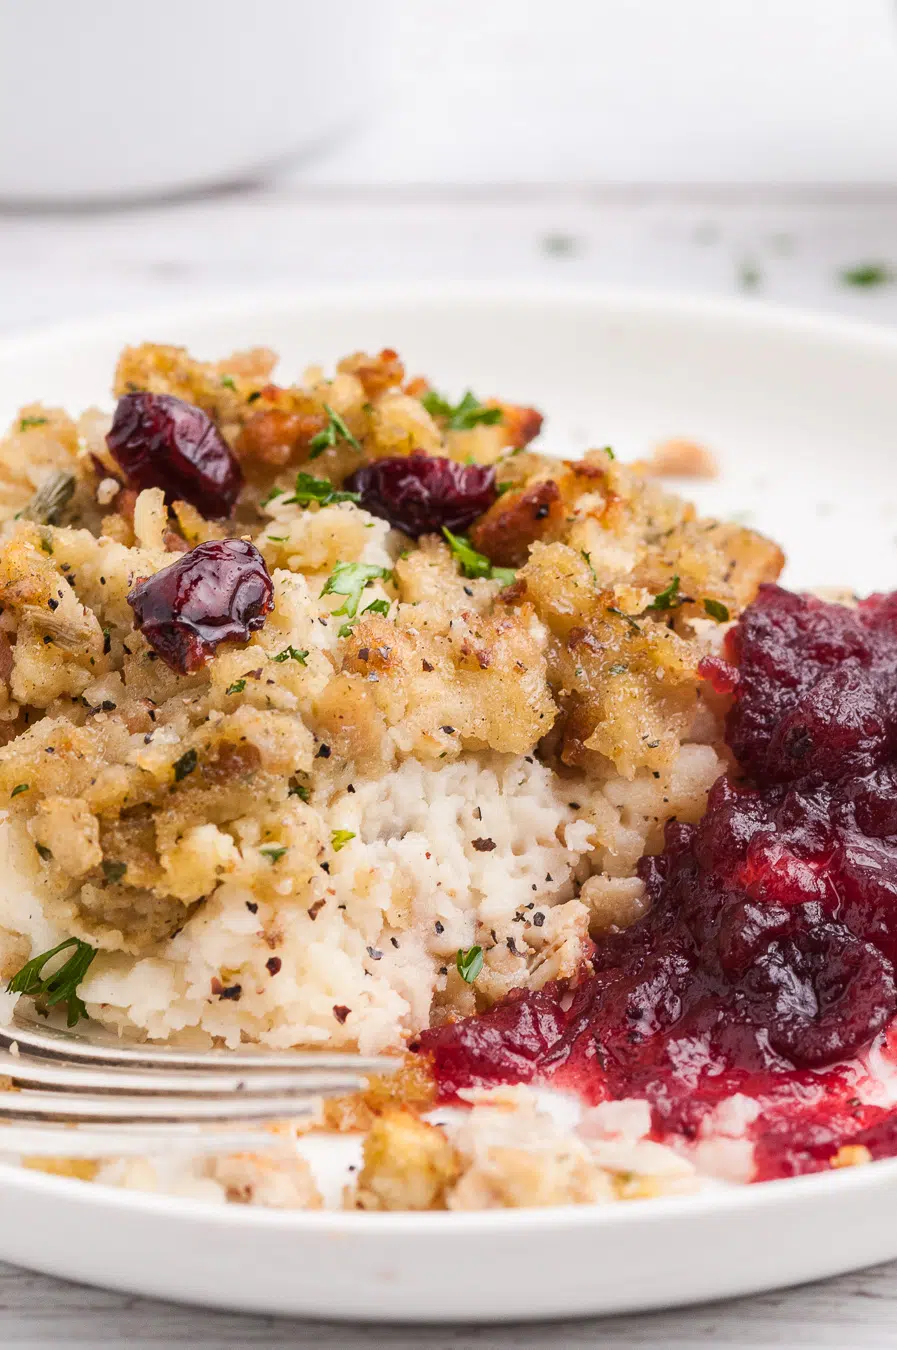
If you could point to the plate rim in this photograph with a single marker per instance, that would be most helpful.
(747, 314)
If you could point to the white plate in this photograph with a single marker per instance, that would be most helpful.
(803, 414)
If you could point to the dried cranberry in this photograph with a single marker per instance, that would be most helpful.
(422, 493)
(160, 441)
(218, 592)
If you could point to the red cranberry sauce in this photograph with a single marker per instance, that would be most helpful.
(218, 592)
(422, 493)
(160, 441)
(766, 962)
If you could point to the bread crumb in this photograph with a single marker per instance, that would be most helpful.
(680, 458)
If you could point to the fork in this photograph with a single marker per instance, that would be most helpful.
(87, 1097)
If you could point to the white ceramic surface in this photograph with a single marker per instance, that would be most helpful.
(111, 99)
(802, 412)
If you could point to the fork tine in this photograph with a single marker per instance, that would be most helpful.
(53, 1043)
(112, 1141)
(36, 1073)
(111, 1109)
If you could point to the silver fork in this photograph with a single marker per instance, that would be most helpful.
(89, 1097)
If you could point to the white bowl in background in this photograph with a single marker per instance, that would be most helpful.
(113, 99)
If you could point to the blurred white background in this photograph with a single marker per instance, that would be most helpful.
(703, 145)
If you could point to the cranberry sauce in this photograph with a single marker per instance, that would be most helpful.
(422, 493)
(218, 592)
(767, 958)
(160, 441)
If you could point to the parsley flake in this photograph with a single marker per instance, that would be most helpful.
(349, 579)
(273, 852)
(228, 382)
(62, 985)
(19, 787)
(299, 790)
(236, 688)
(377, 607)
(867, 275)
(475, 564)
(469, 963)
(717, 610)
(628, 617)
(291, 654)
(26, 423)
(275, 492)
(340, 838)
(310, 489)
(668, 599)
(467, 413)
(335, 431)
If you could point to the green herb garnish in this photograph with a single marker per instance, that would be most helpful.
(340, 838)
(228, 382)
(299, 790)
(43, 852)
(62, 985)
(475, 564)
(26, 423)
(290, 654)
(310, 489)
(587, 558)
(114, 871)
(273, 851)
(19, 787)
(502, 488)
(186, 764)
(668, 599)
(236, 688)
(377, 607)
(350, 579)
(275, 492)
(335, 430)
(717, 610)
(469, 963)
(50, 499)
(867, 275)
(628, 617)
(468, 412)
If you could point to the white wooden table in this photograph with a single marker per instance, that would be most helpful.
(542, 219)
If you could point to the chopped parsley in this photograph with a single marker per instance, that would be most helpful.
(502, 488)
(587, 558)
(186, 764)
(628, 617)
(609, 452)
(717, 610)
(468, 412)
(340, 838)
(469, 963)
(273, 852)
(62, 985)
(668, 599)
(291, 654)
(19, 787)
(114, 871)
(867, 275)
(228, 382)
(236, 688)
(350, 579)
(475, 564)
(310, 489)
(26, 423)
(275, 492)
(335, 431)
(299, 790)
(377, 607)
(344, 630)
